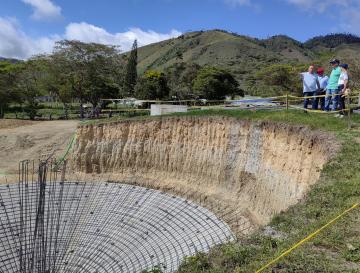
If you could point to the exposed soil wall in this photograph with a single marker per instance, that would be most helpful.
(243, 171)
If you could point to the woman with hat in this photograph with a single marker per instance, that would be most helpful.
(343, 86)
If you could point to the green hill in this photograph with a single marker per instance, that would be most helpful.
(2, 59)
(223, 49)
(245, 56)
(288, 48)
(239, 54)
(332, 41)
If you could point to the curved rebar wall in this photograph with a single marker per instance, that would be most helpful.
(100, 227)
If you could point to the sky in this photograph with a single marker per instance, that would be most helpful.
(30, 27)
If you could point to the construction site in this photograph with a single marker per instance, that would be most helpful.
(214, 136)
(144, 194)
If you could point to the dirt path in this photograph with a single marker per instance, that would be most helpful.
(34, 140)
(13, 123)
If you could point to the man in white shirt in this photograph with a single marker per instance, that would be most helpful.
(323, 82)
(310, 84)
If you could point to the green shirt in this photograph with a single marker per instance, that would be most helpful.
(334, 78)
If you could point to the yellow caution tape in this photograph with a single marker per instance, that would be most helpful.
(324, 96)
(312, 235)
(317, 111)
(229, 101)
(207, 101)
(124, 110)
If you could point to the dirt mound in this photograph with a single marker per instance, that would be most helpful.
(22, 140)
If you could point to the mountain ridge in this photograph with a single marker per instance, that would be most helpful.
(242, 55)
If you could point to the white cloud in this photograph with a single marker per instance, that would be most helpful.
(44, 9)
(352, 23)
(17, 44)
(89, 33)
(244, 3)
(347, 11)
(238, 2)
(320, 6)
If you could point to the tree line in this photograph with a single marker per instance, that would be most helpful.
(90, 72)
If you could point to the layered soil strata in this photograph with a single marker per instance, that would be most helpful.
(243, 171)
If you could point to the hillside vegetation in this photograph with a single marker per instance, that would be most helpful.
(245, 57)
(210, 65)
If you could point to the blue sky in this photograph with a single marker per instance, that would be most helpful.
(30, 27)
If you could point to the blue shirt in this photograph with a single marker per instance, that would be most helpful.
(310, 82)
(323, 80)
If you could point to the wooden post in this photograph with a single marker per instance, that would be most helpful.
(348, 100)
(287, 102)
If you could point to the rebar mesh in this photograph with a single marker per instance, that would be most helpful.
(51, 225)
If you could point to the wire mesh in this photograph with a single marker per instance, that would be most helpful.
(52, 225)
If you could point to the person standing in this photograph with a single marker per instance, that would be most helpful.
(343, 85)
(332, 90)
(323, 82)
(310, 84)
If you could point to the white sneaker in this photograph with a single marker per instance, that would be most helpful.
(341, 116)
(337, 115)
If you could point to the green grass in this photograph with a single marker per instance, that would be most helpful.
(336, 249)
(313, 120)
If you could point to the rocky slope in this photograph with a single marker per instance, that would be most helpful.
(243, 171)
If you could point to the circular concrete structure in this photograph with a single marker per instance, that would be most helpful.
(100, 228)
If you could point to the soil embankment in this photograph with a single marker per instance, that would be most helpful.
(243, 171)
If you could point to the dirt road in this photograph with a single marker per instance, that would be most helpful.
(31, 140)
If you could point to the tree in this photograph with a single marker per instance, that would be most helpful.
(214, 84)
(93, 71)
(152, 86)
(8, 92)
(56, 81)
(28, 84)
(280, 79)
(131, 72)
(180, 77)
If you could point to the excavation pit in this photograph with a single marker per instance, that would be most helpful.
(244, 171)
(183, 185)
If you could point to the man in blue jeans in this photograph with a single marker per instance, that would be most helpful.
(332, 92)
(310, 83)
